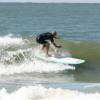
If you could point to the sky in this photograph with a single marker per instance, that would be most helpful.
(72, 1)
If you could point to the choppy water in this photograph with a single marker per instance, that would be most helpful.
(22, 75)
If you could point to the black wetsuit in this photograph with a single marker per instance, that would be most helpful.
(42, 38)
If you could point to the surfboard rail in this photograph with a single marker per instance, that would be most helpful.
(61, 60)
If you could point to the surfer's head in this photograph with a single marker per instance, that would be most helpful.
(54, 34)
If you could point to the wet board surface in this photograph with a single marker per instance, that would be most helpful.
(61, 60)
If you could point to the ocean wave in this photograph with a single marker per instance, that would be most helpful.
(24, 61)
(33, 66)
(39, 92)
(92, 85)
(9, 41)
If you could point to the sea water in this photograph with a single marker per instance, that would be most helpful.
(24, 77)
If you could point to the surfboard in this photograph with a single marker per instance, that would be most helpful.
(61, 60)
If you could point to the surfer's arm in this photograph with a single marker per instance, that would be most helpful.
(57, 46)
(57, 37)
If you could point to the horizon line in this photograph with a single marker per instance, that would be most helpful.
(49, 2)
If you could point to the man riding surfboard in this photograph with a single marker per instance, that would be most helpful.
(43, 40)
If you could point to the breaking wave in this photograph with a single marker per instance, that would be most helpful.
(39, 92)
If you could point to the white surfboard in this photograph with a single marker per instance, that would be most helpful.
(61, 60)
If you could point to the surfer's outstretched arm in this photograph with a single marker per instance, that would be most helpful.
(57, 46)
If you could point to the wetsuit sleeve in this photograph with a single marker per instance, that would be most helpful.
(52, 41)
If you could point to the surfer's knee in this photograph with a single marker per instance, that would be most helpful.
(47, 44)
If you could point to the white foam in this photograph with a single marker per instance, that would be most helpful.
(29, 64)
(32, 66)
(7, 41)
(41, 93)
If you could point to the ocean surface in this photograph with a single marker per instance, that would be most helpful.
(24, 77)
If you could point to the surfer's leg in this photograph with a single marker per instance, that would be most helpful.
(42, 44)
(46, 48)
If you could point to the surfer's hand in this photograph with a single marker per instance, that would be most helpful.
(59, 46)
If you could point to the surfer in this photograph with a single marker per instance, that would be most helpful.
(44, 39)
